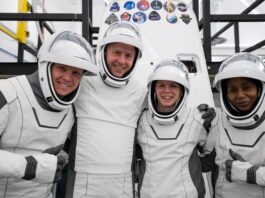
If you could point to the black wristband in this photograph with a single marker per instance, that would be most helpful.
(31, 168)
(251, 174)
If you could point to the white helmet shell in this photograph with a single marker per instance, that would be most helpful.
(65, 48)
(242, 65)
(119, 32)
(172, 70)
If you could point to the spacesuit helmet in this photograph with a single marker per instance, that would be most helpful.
(119, 32)
(69, 49)
(242, 65)
(170, 70)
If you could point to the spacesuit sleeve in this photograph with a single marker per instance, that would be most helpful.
(145, 103)
(211, 137)
(139, 162)
(260, 176)
(12, 165)
(209, 145)
(7, 95)
(4, 113)
(200, 129)
(4, 116)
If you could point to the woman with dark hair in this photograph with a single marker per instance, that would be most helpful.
(238, 131)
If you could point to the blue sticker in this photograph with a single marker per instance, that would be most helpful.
(185, 18)
(129, 5)
(126, 16)
(111, 19)
(154, 16)
(169, 7)
(156, 5)
(182, 7)
(139, 17)
(172, 18)
(115, 7)
(143, 5)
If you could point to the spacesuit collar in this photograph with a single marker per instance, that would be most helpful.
(35, 85)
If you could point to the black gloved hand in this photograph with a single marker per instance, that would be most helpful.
(62, 160)
(208, 116)
(54, 150)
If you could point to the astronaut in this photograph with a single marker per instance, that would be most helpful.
(36, 115)
(168, 133)
(238, 131)
(107, 111)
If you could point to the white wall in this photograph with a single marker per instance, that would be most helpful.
(250, 34)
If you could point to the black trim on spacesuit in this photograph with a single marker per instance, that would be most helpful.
(244, 145)
(138, 166)
(166, 138)
(196, 173)
(71, 174)
(45, 126)
(258, 122)
(3, 101)
(31, 168)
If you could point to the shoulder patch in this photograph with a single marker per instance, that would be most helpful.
(2, 100)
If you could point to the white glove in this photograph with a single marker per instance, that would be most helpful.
(46, 167)
(239, 170)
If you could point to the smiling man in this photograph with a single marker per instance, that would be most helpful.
(65, 79)
(120, 58)
(36, 116)
(107, 110)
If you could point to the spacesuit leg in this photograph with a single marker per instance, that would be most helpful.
(102, 185)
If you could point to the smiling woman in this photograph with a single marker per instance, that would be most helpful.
(168, 133)
(242, 93)
(240, 82)
(168, 93)
(237, 134)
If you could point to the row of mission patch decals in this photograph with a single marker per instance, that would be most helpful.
(143, 5)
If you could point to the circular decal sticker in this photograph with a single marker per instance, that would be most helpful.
(126, 16)
(111, 19)
(185, 18)
(154, 16)
(114, 7)
(139, 17)
(156, 5)
(129, 5)
(182, 7)
(172, 18)
(143, 5)
(169, 6)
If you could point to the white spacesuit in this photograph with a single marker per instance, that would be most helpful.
(108, 109)
(237, 137)
(34, 119)
(168, 140)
